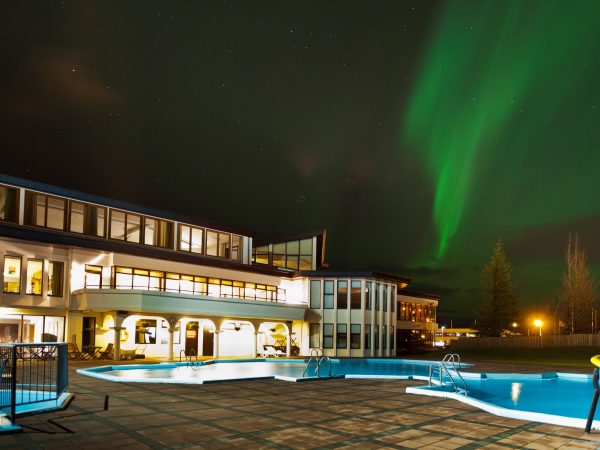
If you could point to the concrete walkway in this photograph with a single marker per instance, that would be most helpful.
(276, 414)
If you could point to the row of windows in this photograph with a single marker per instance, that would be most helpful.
(415, 312)
(34, 276)
(341, 336)
(296, 255)
(153, 280)
(58, 213)
(350, 298)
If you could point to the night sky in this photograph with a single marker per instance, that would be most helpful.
(416, 133)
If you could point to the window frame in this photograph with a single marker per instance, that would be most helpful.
(62, 279)
(27, 277)
(20, 258)
(17, 203)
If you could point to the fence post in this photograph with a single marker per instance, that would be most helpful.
(13, 386)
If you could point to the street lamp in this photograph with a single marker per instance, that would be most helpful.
(514, 326)
(538, 323)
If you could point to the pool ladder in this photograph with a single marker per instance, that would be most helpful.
(188, 358)
(444, 366)
(316, 355)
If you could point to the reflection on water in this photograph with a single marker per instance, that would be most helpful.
(515, 392)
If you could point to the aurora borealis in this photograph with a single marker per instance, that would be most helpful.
(417, 133)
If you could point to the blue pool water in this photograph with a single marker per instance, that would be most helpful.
(244, 369)
(558, 398)
(562, 399)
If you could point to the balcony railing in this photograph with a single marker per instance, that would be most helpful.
(34, 378)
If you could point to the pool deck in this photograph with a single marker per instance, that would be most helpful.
(352, 413)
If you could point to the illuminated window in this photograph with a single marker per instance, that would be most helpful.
(93, 276)
(35, 270)
(45, 211)
(261, 255)
(125, 226)
(123, 278)
(236, 247)
(212, 243)
(87, 219)
(56, 271)
(158, 233)
(12, 274)
(190, 239)
(224, 245)
(9, 204)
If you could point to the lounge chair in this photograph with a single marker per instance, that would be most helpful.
(139, 352)
(73, 352)
(269, 350)
(128, 354)
(107, 353)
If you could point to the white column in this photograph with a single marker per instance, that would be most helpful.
(373, 294)
(288, 345)
(255, 347)
(171, 341)
(117, 345)
(216, 345)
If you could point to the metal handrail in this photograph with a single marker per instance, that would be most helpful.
(316, 359)
(321, 361)
(442, 365)
(180, 352)
(452, 357)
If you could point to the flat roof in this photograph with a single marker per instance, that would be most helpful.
(419, 294)
(119, 204)
(351, 274)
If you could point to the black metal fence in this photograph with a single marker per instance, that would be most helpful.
(33, 374)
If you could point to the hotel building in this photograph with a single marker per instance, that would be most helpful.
(93, 271)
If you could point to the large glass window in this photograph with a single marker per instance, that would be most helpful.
(367, 336)
(158, 233)
(328, 294)
(376, 333)
(125, 226)
(392, 338)
(93, 276)
(306, 254)
(315, 294)
(56, 270)
(191, 239)
(342, 295)
(342, 336)
(378, 295)
(45, 211)
(384, 337)
(279, 254)
(87, 219)
(9, 204)
(355, 295)
(261, 255)
(224, 245)
(212, 243)
(236, 247)
(12, 274)
(314, 329)
(35, 270)
(369, 295)
(327, 335)
(355, 335)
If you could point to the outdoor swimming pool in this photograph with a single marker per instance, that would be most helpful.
(556, 398)
(229, 370)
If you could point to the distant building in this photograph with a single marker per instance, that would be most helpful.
(95, 271)
(445, 336)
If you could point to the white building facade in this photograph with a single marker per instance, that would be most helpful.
(94, 271)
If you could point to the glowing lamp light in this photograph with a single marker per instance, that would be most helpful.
(538, 323)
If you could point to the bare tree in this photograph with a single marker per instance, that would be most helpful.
(579, 290)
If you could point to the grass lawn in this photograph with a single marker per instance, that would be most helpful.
(550, 356)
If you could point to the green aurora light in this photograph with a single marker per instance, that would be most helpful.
(494, 79)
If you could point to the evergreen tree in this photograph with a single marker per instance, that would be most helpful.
(579, 290)
(499, 307)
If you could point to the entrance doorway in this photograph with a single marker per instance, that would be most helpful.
(88, 337)
(208, 340)
(191, 338)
